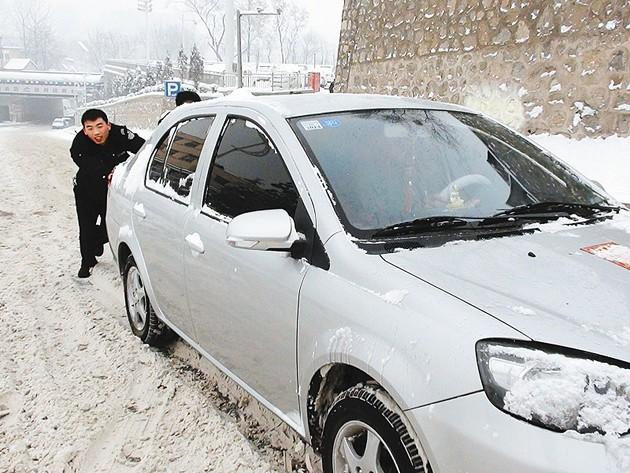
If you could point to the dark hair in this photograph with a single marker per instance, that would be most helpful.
(93, 114)
(186, 96)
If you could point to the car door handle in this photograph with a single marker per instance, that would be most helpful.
(195, 243)
(138, 209)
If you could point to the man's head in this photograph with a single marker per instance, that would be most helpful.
(186, 96)
(96, 126)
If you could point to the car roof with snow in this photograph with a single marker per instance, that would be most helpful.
(295, 105)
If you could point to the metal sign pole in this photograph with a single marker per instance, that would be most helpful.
(239, 57)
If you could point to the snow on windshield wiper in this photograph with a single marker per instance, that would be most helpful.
(424, 224)
(557, 209)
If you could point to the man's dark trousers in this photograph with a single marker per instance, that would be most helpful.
(91, 203)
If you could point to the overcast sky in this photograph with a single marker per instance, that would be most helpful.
(72, 20)
(324, 15)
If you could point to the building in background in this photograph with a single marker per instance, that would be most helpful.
(7, 53)
(19, 64)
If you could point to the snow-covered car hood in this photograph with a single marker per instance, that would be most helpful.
(547, 285)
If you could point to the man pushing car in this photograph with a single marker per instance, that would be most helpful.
(97, 149)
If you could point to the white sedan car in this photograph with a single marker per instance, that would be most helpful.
(409, 285)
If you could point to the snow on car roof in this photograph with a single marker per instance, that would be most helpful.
(295, 105)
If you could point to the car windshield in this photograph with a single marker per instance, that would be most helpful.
(385, 167)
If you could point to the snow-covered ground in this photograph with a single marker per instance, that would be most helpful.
(606, 160)
(79, 393)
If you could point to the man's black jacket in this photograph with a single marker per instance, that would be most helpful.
(97, 161)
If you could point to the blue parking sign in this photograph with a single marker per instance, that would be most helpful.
(172, 87)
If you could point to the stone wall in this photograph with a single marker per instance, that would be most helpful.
(140, 112)
(542, 66)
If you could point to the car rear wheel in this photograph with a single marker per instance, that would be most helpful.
(143, 321)
(365, 432)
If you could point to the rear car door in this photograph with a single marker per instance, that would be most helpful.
(244, 303)
(160, 211)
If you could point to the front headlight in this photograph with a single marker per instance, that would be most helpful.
(555, 388)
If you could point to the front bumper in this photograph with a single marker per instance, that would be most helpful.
(470, 435)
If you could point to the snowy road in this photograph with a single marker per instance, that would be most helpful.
(79, 393)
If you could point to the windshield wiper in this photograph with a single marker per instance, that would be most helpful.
(425, 224)
(515, 216)
(556, 209)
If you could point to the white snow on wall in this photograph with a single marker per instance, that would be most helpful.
(535, 112)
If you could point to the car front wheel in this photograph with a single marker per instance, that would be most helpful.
(142, 318)
(365, 432)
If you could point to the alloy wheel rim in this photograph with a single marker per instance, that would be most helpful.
(359, 449)
(137, 299)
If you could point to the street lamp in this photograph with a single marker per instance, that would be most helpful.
(87, 52)
(239, 56)
(146, 6)
(190, 20)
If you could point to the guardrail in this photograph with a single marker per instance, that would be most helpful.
(272, 80)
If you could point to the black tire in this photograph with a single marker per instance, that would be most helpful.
(150, 330)
(372, 407)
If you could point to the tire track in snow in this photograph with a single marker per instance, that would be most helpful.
(79, 393)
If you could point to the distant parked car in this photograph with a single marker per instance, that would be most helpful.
(62, 122)
(410, 285)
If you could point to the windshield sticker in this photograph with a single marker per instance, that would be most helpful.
(611, 251)
(310, 125)
(331, 123)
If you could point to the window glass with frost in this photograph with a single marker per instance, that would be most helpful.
(179, 154)
(391, 166)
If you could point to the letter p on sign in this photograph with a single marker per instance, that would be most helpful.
(172, 88)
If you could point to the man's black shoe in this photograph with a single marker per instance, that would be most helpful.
(84, 272)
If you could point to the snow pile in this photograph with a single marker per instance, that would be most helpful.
(207, 91)
(606, 160)
(621, 222)
(553, 226)
(523, 310)
(569, 393)
(395, 296)
(617, 450)
(78, 392)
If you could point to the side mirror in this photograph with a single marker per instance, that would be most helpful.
(263, 230)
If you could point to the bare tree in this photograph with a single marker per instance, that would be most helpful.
(309, 42)
(289, 27)
(213, 20)
(258, 38)
(103, 45)
(165, 39)
(38, 39)
(264, 42)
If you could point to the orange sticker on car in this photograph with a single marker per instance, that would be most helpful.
(611, 251)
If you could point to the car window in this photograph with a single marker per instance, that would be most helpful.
(174, 163)
(156, 168)
(386, 167)
(248, 173)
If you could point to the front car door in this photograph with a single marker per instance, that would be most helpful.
(160, 211)
(244, 303)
